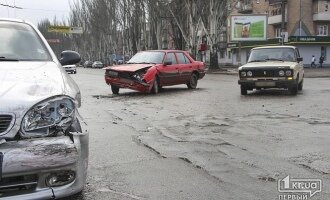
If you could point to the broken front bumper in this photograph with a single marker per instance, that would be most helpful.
(29, 164)
(127, 83)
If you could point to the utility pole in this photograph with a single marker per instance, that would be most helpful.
(283, 20)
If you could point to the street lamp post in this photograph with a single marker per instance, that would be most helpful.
(283, 21)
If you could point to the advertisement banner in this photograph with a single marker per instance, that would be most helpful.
(248, 27)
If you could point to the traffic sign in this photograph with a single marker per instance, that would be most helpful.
(65, 29)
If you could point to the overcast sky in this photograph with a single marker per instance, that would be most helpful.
(36, 10)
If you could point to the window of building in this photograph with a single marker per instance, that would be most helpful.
(322, 30)
(277, 32)
(222, 54)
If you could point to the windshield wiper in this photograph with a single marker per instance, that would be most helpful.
(8, 59)
(257, 60)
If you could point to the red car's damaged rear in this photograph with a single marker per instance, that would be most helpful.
(148, 71)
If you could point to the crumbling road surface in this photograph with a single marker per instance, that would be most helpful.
(208, 143)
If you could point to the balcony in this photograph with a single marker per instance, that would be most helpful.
(276, 19)
(245, 8)
(321, 16)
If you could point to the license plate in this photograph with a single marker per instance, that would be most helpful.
(265, 84)
(113, 73)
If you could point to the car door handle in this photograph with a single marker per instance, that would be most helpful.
(190, 66)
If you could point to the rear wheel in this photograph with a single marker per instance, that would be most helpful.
(192, 84)
(243, 90)
(114, 89)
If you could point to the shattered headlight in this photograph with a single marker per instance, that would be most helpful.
(139, 76)
(48, 117)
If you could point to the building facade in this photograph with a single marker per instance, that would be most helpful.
(302, 23)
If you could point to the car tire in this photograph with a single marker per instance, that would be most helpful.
(114, 89)
(294, 88)
(192, 84)
(155, 87)
(243, 90)
(301, 85)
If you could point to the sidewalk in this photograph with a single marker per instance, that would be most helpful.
(309, 73)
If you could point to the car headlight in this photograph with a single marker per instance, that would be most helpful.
(281, 73)
(249, 73)
(243, 74)
(47, 117)
(288, 73)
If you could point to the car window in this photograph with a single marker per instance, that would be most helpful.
(285, 54)
(171, 57)
(182, 58)
(20, 41)
(147, 57)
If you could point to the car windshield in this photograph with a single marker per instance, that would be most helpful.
(272, 54)
(147, 57)
(19, 42)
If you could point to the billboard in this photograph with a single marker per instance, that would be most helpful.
(248, 27)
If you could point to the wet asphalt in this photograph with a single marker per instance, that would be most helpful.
(207, 143)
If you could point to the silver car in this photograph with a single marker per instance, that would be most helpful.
(43, 141)
(70, 69)
(97, 64)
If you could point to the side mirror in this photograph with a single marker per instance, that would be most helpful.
(168, 62)
(69, 58)
(299, 59)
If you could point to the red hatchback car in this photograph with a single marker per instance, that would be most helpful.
(148, 71)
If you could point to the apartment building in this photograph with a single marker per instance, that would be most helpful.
(305, 24)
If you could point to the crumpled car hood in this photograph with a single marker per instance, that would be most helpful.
(129, 67)
(23, 84)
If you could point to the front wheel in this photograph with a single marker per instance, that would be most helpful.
(192, 84)
(114, 89)
(155, 86)
(243, 90)
(300, 85)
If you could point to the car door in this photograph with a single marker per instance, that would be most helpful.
(169, 73)
(185, 67)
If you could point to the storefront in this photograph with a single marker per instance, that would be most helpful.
(308, 46)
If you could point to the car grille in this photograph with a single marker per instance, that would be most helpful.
(265, 73)
(5, 122)
(10, 186)
(125, 75)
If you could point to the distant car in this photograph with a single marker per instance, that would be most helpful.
(97, 64)
(272, 67)
(44, 145)
(70, 69)
(88, 64)
(148, 71)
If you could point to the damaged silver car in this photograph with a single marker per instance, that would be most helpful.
(43, 141)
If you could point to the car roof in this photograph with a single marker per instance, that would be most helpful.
(16, 20)
(278, 46)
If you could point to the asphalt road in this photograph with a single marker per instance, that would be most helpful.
(208, 143)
